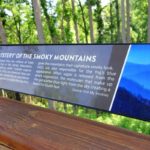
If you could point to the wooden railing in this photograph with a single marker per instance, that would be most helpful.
(26, 127)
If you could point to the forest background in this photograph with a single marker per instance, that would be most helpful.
(76, 21)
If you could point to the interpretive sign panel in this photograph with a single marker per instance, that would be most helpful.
(87, 75)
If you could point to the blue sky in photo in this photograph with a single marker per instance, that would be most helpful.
(139, 54)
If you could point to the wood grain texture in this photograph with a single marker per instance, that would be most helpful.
(25, 127)
(3, 147)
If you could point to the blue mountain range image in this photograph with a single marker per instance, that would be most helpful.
(138, 73)
(130, 105)
(135, 89)
(133, 95)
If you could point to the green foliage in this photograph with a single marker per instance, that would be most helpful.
(139, 20)
(18, 17)
(125, 122)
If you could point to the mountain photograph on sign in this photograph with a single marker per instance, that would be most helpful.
(133, 95)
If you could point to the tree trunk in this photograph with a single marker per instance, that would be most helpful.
(91, 22)
(50, 22)
(111, 21)
(99, 20)
(4, 41)
(118, 21)
(128, 20)
(68, 27)
(63, 37)
(123, 21)
(84, 21)
(17, 26)
(37, 15)
(17, 23)
(75, 21)
(38, 22)
(2, 33)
